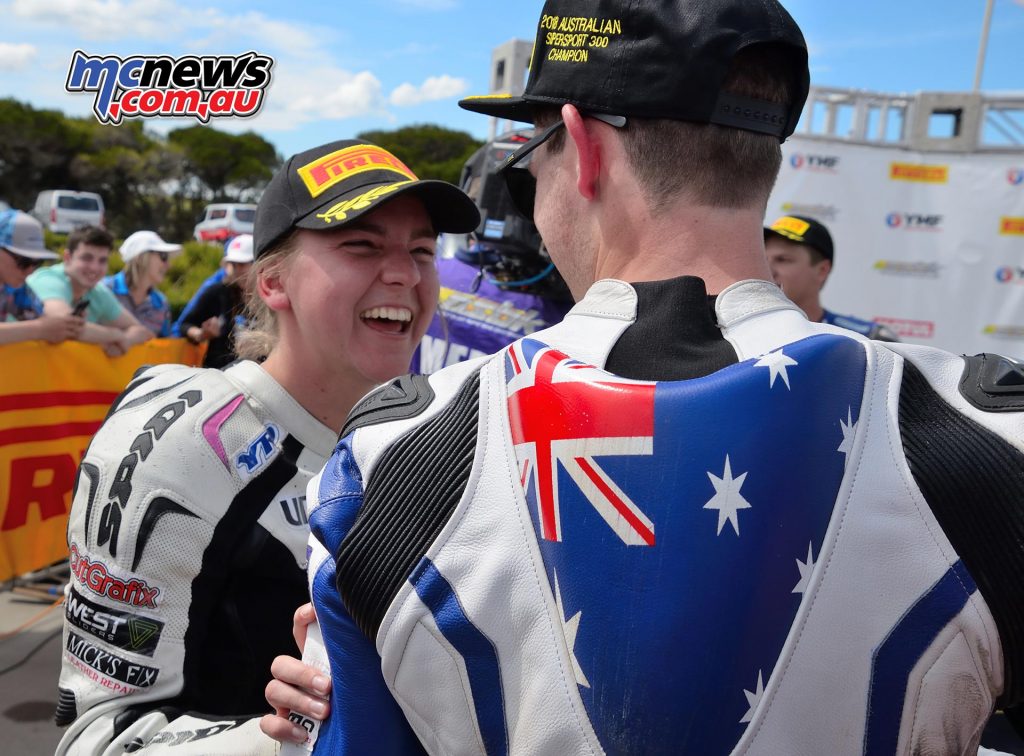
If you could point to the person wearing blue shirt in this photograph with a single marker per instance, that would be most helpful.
(801, 254)
(21, 312)
(147, 259)
(214, 278)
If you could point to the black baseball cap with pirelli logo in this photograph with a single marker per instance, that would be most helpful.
(331, 185)
(656, 59)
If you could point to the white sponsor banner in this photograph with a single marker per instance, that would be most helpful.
(932, 244)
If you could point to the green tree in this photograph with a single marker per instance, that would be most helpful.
(228, 166)
(432, 152)
(130, 169)
(37, 148)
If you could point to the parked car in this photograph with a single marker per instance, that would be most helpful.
(221, 222)
(64, 210)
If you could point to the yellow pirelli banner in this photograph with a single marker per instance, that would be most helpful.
(52, 400)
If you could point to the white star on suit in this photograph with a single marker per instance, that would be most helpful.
(570, 627)
(753, 699)
(806, 568)
(776, 362)
(849, 430)
(727, 499)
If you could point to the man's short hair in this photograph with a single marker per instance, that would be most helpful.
(716, 166)
(91, 235)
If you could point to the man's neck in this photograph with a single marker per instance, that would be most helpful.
(77, 290)
(721, 246)
(813, 310)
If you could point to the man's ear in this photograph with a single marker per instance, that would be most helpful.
(270, 285)
(824, 268)
(588, 150)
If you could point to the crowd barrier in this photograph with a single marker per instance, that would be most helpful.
(52, 400)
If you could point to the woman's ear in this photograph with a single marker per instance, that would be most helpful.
(271, 285)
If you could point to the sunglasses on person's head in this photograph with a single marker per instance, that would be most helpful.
(24, 263)
(522, 186)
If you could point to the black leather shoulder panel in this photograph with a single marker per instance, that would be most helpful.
(404, 397)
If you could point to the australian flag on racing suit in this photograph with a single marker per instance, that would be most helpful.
(680, 523)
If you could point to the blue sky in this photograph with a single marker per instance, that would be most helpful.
(343, 67)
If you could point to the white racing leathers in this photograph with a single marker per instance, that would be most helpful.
(188, 544)
(815, 550)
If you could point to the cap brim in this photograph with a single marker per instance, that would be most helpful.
(32, 254)
(500, 106)
(450, 210)
(784, 235)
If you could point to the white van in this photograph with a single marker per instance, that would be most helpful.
(221, 222)
(64, 210)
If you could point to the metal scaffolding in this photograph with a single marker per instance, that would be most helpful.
(926, 121)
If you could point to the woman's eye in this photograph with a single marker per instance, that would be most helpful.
(359, 245)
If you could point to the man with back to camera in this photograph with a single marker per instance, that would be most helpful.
(797, 541)
(21, 312)
(75, 286)
(801, 255)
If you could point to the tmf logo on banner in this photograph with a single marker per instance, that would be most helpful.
(147, 86)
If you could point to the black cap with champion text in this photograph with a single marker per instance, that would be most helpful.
(656, 59)
(331, 185)
(803, 230)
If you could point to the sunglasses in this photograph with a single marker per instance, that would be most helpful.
(164, 256)
(522, 186)
(24, 263)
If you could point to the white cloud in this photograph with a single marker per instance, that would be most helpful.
(255, 30)
(434, 88)
(14, 57)
(301, 95)
(105, 19)
(146, 20)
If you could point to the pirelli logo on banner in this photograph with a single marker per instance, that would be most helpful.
(1011, 226)
(325, 172)
(927, 174)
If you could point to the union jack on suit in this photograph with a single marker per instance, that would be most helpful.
(760, 560)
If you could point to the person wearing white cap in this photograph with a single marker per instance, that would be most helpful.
(21, 312)
(147, 258)
(219, 309)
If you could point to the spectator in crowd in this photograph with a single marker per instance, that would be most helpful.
(199, 534)
(21, 312)
(800, 255)
(146, 261)
(75, 286)
(218, 311)
(686, 519)
(216, 277)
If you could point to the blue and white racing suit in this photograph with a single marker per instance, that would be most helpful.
(669, 526)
